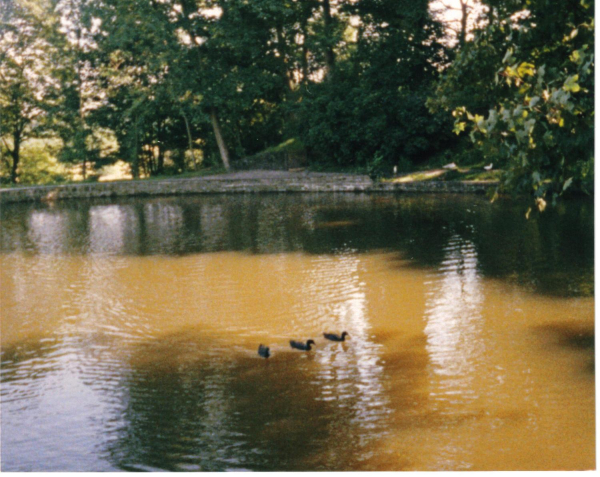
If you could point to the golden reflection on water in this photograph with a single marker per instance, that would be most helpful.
(155, 359)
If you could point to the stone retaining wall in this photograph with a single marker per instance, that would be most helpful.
(235, 183)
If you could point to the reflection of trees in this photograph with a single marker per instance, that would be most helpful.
(551, 252)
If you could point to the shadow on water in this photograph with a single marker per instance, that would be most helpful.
(196, 402)
(188, 405)
(192, 401)
(576, 336)
(551, 253)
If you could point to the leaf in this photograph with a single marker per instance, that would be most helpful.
(529, 124)
(511, 72)
(492, 119)
(518, 112)
(541, 71)
(525, 69)
(533, 101)
(541, 204)
(521, 135)
(507, 56)
(549, 139)
(561, 96)
(480, 123)
(459, 127)
(571, 84)
(567, 183)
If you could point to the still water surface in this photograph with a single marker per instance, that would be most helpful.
(130, 329)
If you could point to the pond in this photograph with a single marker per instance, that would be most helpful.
(130, 331)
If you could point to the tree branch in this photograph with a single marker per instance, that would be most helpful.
(6, 145)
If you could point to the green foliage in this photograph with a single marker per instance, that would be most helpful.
(39, 163)
(373, 109)
(25, 67)
(535, 116)
(362, 85)
(349, 122)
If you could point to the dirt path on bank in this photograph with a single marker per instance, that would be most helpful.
(266, 174)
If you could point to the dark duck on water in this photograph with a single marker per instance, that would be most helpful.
(334, 337)
(264, 351)
(301, 346)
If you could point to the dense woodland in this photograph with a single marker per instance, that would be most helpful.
(173, 86)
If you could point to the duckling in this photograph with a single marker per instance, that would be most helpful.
(301, 346)
(264, 351)
(334, 337)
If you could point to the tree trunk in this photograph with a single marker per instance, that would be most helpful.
(81, 146)
(135, 163)
(462, 37)
(329, 55)
(219, 137)
(160, 156)
(15, 153)
(160, 166)
(304, 58)
(304, 63)
(190, 142)
(282, 47)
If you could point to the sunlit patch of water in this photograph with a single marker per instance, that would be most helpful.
(453, 313)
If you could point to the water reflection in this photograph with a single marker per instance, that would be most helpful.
(108, 230)
(453, 312)
(454, 342)
(351, 371)
(48, 232)
(130, 329)
(550, 253)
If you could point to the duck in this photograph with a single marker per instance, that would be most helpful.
(301, 346)
(264, 351)
(334, 337)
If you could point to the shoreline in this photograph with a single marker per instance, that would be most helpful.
(248, 182)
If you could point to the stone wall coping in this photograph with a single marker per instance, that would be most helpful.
(238, 182)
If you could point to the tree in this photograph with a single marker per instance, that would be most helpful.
(72, 34)
(536, 117)
(371, 113)
(459, 17)
(136, 57)
(24, 80)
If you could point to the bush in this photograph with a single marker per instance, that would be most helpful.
(38, 164)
